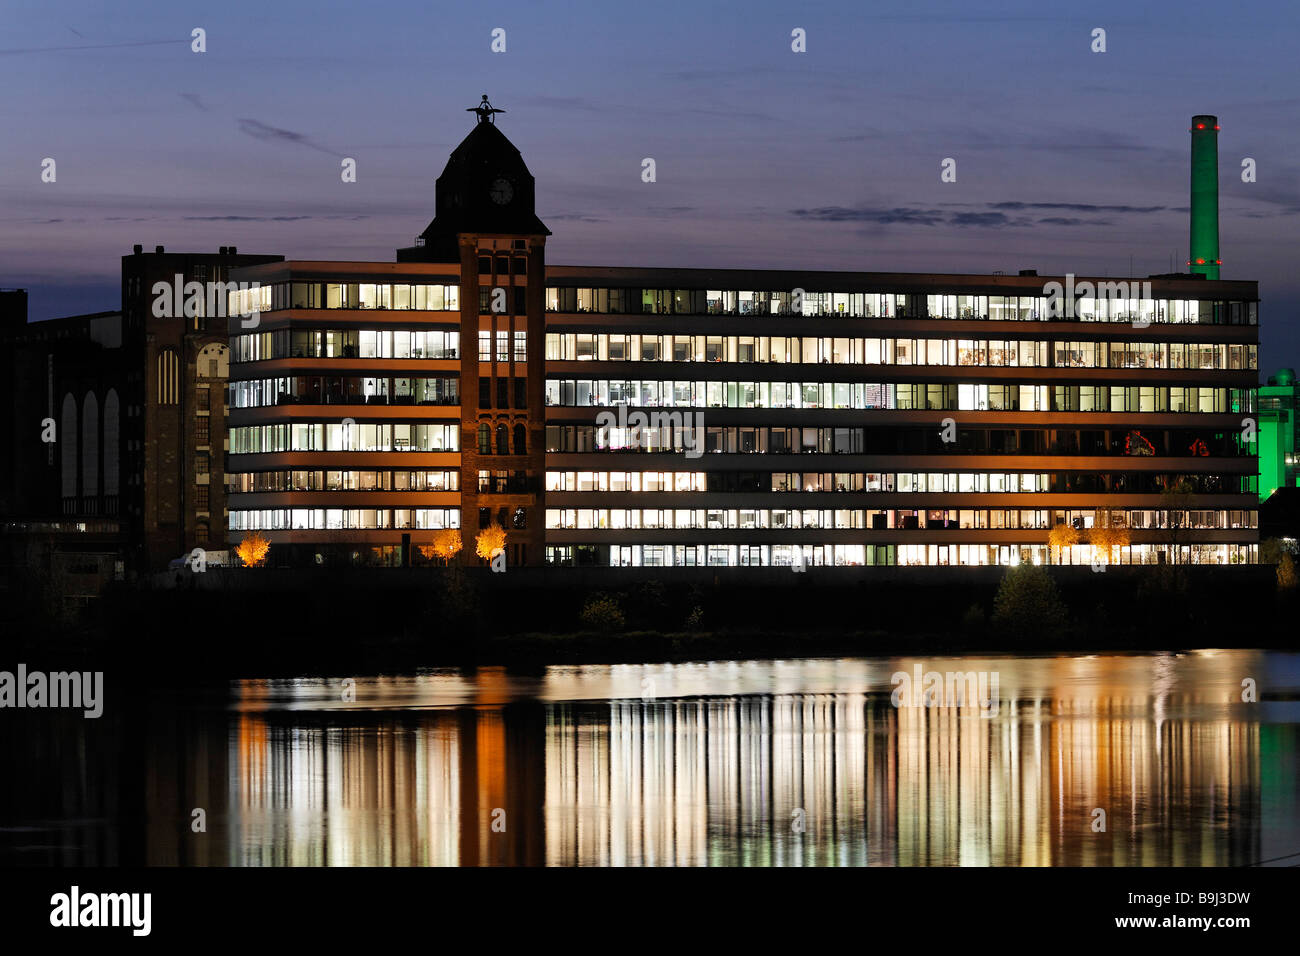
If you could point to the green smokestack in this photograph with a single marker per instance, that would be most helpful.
(1205, 197)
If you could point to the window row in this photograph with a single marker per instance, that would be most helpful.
(509, 440)
(345, 390)
(352, 295)
(306, 480)
(945, 396)
(720, 519)
(882, 555)
(354, 436)
(345, 343)
(899, 440)
(1111, 304)
(504, 340)
(339, 519)
(626, 481)
(1010, 353)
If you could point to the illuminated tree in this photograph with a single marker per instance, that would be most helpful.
(1108, 533)
(1062, 536)
(253, 549)
(1286, 574)
(602, 613)
(490, 541)
(447, 544)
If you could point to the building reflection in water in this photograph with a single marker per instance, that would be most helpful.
(800, 763)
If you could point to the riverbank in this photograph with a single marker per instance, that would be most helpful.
(264, 623)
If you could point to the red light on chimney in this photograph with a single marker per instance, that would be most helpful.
(1218, 262)
(1200, 126)
(1200, 262)
(1216, 127)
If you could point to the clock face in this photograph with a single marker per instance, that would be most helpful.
(501, 191)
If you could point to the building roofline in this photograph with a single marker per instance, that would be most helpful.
(868, 279)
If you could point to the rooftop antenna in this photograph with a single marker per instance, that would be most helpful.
(485, 111)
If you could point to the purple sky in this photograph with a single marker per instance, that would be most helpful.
(1067, 160)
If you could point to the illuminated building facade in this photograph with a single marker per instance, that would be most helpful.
(1279, 402)
(691, 417)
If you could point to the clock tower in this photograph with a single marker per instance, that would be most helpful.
(485, 222)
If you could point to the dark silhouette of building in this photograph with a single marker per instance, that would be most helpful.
(136, 399)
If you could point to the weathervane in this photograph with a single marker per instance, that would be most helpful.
(484, 111)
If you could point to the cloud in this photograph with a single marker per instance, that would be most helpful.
(1074, 221)
(92, 46)
(994, 216)
(273, 134)
(1076, 207)
(193, 100)
(980, 219)
(916, 217)
(265, 218)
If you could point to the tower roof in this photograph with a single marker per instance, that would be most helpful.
(484, 188)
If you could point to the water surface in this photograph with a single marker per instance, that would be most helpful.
(752, 763)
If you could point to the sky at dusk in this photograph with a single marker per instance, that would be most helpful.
(1067, 160)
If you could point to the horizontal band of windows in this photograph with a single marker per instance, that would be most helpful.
(367, 436)
(344, 390)
(697, 439)
(613, 347)
(720, 519)
(353, 295)
(899, 482)
(945, 396)
(328, 519)
(345, 343)
(885, 555)
(322, 480)
(1113, 303)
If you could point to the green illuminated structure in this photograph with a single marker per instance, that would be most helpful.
(1279, 401)
(1204, 259)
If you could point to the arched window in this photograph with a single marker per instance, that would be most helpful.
(484, 438)
(90, 446)
(68, 449)
(503, 439)
(520, 440)
(213, 362)
(168, 377)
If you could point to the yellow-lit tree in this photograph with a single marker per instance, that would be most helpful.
(253, 549)
(1286, 575)
(447, 544)
(1108, 533)
(489, 541)
(1062, 536)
